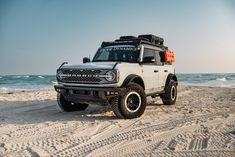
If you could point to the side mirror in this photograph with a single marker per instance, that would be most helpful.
(85, 60)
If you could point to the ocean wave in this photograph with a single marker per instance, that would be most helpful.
(207, 84)
(8, 89)
(36, 82)
(13, 83)
(211, 80)
(54, 82)
(40, 77)
(230, 77)
(19, 89)
(22, 76)
(221, 79)
(4, 89)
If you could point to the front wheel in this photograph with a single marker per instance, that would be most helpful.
(67, 106)
(131, 104)
(170, 95)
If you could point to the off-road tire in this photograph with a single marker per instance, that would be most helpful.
(67, 106)
(170, 95)
(114, 102)
(120, 107)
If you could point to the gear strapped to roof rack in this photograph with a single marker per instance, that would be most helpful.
(141, 39)
(152, 38)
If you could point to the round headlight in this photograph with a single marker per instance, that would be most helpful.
(110, 76)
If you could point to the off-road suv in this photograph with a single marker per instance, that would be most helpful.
(122, 74)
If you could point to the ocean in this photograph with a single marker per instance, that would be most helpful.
(14, 83)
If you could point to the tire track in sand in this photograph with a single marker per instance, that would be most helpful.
(87, 148)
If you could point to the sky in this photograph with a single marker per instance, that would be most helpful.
(37, 36)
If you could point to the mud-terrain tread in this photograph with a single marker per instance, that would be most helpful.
(115, 107)
(166, 97)
(133, 87)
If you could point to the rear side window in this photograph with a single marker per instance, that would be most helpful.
(149, 56)
(159, 57)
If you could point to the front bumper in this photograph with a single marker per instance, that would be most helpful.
(94, 95)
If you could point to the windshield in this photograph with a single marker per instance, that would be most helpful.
(121, 54)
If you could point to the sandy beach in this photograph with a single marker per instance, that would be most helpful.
(201, 123)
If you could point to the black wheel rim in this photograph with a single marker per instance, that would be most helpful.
(133, 102)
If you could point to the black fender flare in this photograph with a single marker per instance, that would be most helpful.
(171, 77)
(133, 78)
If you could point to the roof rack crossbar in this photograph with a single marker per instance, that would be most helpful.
(132, 40)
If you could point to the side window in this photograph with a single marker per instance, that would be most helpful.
(149, 56)
(162, 56)
(159, 59)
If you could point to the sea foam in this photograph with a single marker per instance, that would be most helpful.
(221, 79)
(40, 77)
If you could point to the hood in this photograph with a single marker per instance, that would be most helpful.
(91, 65)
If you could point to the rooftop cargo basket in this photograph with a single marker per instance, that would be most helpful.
(152, 39)
(141, 39)
(126, 38)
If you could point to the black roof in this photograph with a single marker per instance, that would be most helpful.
(141, 39)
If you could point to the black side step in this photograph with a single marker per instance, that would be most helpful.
(154, 94)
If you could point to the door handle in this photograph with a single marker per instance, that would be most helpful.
(165, 70)
(155, 71)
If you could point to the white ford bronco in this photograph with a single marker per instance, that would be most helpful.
(123, 73)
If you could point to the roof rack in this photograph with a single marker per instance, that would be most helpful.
(152, 38)
(127, 38)
(141, 39)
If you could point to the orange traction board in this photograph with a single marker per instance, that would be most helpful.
(169, 56)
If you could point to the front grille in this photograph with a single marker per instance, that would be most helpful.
(82, 76)
(82, 72)
(82, 80)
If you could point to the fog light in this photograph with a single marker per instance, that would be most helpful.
(110, 93)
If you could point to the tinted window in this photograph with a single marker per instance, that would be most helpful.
(148, 56)
(158, 57)
(122, 54)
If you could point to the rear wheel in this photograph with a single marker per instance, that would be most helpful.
(131, 104)
(170, 95)
(67, 106)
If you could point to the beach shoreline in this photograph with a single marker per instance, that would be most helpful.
(18, 83)
(201, 123)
